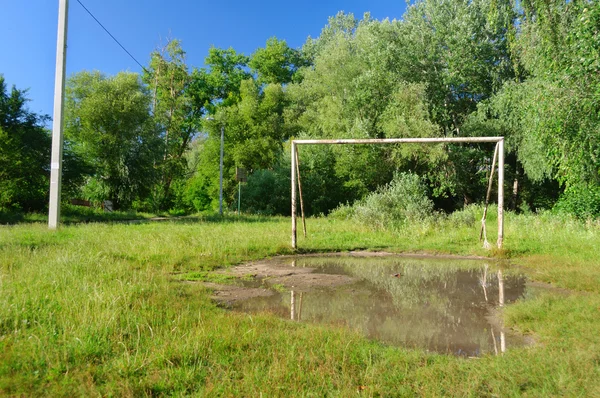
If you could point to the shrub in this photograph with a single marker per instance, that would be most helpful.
(342, 212)
(403, 200)
(582, 201)
(471, 214)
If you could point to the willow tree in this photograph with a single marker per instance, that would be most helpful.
(553, 111)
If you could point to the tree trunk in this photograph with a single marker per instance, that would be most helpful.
(515, 190)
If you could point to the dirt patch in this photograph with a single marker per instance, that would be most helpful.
(280, 267)
(259, 279)
(228, 294)
(283, 273)
(306, 282)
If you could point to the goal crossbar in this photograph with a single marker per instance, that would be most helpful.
(498, 140)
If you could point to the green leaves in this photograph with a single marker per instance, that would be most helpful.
(24, 153)
(276, 62)
(108, 124)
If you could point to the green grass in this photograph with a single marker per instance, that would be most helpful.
(73, 215)
(98, 309)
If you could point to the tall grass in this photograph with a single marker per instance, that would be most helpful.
(96, 309)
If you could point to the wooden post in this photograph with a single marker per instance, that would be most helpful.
(293, 195)
(500, 193)
(498, 140)
(300, 192)
(487, 196)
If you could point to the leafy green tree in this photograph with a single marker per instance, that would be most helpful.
(551, 113)
(255, 131)
(226, 71)
(354, 90)
(108, 123)
(276, 62)
(177, 111)
(460, 51)
(24, 153)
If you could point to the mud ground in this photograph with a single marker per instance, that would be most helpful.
(257, 279)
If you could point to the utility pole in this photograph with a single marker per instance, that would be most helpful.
(221, 171)
(57, 123)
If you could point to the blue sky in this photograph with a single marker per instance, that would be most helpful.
(28, 30)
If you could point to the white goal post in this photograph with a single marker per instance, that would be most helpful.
(499, 147)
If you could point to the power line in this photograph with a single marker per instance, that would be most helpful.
(110, 34)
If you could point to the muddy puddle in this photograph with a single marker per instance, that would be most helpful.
(443, 305)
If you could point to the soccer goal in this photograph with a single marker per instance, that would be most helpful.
(498, 153)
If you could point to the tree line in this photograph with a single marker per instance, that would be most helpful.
(528, 71)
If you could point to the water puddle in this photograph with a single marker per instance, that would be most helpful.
(443, 305)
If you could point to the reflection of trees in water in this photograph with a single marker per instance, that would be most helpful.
(431, 304)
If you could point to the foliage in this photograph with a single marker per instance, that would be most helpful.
(552, 114)
(527, 71)
(24, 153)
(176, 114)
(267, 192)
(460, 51)
(227, 70)
(107, 123)
(403, 201)
(276, 63)
(580, 200)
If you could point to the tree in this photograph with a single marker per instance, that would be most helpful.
(24, 153)
(460, 51)
(552, 112)
(226, 71)
(354, 90)
(177, 112)
(255, 131)
(276, 63)
(108, 123)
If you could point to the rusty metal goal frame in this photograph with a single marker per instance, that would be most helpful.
(499, 150)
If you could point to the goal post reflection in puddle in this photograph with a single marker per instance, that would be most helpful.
(446, 306)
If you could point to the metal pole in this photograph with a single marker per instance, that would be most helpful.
(239, 195)
(500, 193)
(221, 171)
(57, 124)
(293, 195)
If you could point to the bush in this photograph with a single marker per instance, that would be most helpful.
(342, 212)
(470, 215)
(267, 192)
(582, 201)
(401, 201)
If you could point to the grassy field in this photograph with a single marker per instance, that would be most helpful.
(95, 309)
